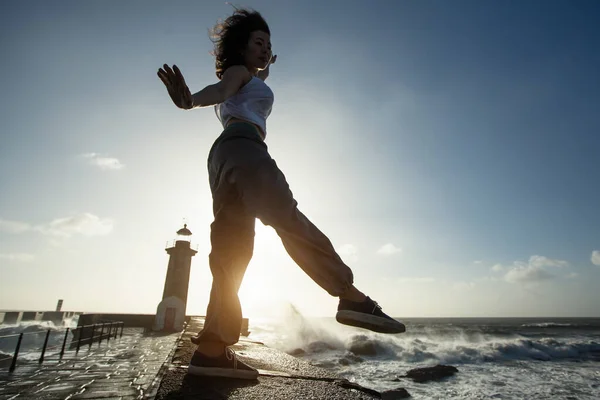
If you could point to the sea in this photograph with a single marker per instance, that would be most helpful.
(496, 358)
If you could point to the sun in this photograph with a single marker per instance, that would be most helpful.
(259, 288)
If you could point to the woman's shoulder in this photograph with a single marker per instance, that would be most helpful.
(239, 72)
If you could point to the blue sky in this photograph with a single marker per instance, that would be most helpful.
(448, 149)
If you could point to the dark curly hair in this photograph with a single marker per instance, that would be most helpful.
(231, 37)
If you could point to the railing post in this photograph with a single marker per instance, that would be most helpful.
(92, 337)
(13, 364)
(109, 331)
(101, 333)
(62, 350)
(79, 338)
(122, 325)
(41, 360)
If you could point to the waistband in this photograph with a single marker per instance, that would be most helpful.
(243, 129)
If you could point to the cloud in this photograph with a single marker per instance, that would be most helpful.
(13, 226)
(19, 257)
(527, 274)
(349, 252)
(573, 275)
(534, 270)
(104, 163)
(541, 261)
(85, 224)
(595, 257)
(416, 280)
(497, 268)
(388, 249)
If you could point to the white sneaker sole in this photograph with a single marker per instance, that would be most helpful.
(222, 372)
(369, 321)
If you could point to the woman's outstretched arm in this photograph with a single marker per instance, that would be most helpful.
(233, 79)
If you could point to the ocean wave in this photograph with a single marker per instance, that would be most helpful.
(551, 325)
(28, 327)
(417, 350)
(438, 341)
(4, 354)
(33, 338)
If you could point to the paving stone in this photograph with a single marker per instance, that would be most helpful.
(119, 369)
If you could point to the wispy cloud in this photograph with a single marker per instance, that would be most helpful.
(388, 249)
(498, 268)
(532, 271)
(104, 163)
(541, 261)
(527, 274)
(349, 252)
(595, 258)
(18, 257)
(85, 224)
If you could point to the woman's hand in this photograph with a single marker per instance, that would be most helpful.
(176, 86)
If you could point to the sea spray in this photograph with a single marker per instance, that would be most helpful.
(512, 358)
(33, 338)
(308, 335)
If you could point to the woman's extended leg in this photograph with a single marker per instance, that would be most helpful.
(267, 195)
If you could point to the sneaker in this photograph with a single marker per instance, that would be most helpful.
(195, 339)
(368, 315)
(226, 365)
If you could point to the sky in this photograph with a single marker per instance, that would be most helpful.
(449, 150)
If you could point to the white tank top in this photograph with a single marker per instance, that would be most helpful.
(252, 103)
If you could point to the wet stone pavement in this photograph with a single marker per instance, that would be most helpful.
(282, 377)
(124, 368)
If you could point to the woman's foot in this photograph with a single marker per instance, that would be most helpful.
(367, 314)
(225, 365)
(353, 294)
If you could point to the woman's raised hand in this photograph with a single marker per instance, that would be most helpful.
(176, 86)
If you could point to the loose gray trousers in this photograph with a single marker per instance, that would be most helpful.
(247, 184)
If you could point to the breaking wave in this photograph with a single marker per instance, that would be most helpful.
(33, 338)
(447, 343)
(551, 325)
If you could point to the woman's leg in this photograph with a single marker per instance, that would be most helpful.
(266, 194)
(232, 242)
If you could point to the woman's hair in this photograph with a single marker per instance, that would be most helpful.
(231, 37)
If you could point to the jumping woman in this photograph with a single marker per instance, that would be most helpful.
(247, 184)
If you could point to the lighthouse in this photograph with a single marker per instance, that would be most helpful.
(170, 313)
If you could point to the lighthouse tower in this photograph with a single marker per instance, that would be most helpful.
(170, 314)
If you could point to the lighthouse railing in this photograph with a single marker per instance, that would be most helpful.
(172, 243)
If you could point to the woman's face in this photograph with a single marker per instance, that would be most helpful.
(258, 51)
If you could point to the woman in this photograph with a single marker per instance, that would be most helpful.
(247, 184)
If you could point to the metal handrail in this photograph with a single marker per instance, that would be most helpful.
(45, 330)
(111, 324)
